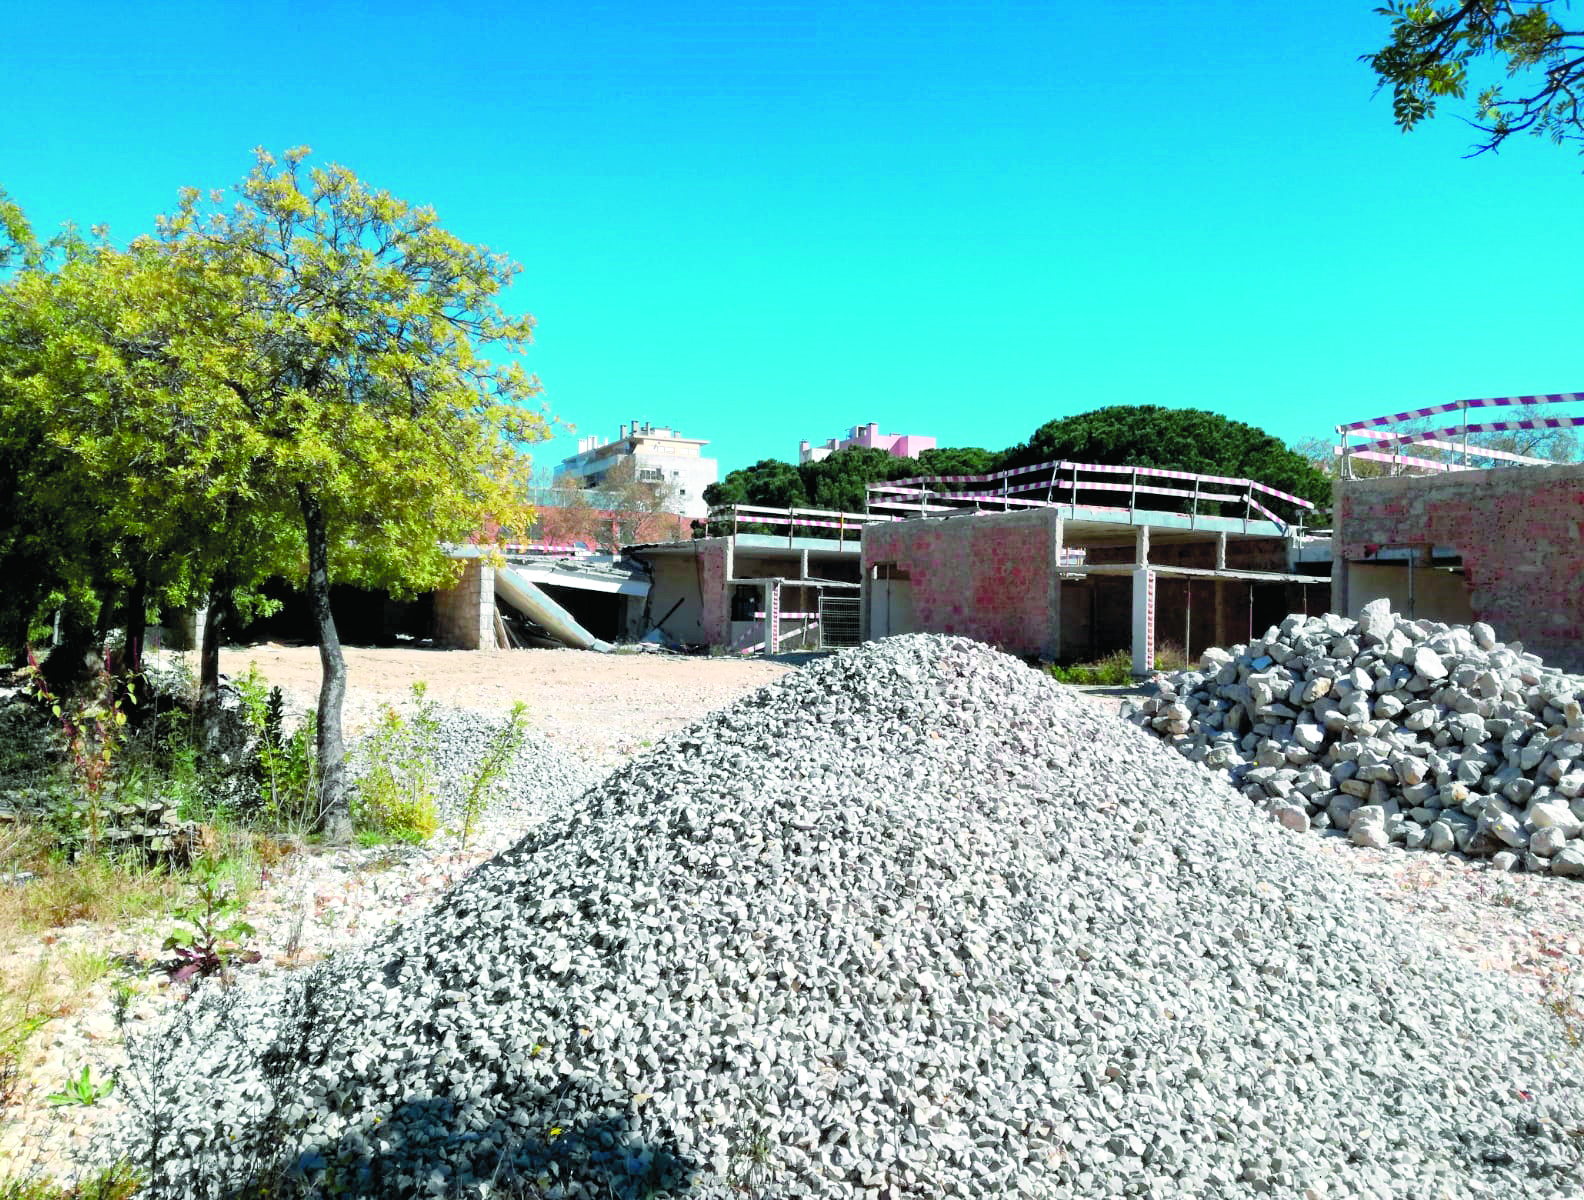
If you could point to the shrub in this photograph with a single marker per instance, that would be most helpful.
(395, 798)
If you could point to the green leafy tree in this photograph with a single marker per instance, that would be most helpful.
(769, 483)
(121, 440)
(16, 235)
(356, 355)
(958, 460)
(1173, 439)
(1525, 67)
(840, 481)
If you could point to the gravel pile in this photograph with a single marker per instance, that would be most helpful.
(915, 921)
(1432, 736)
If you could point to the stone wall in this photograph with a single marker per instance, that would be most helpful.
(1520, 532)
(464, 615)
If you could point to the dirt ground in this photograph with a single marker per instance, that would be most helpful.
(602, 705)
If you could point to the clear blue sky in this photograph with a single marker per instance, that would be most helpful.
(763, 222)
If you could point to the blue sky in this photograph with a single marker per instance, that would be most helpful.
(765, 222)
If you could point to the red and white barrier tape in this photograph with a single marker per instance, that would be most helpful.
(1405, 439)
(1436, 409)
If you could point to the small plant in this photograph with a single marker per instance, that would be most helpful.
(86, 966)
(22, 1014)
(1114, 670)
(119, 1182)
(498, 756)
(94, 728)
(82, 1090)
(395, 799)
(122, 994)
(214, 941)
(288, 783)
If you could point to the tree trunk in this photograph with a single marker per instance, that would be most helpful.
(335, 816)
(129, 671)
(209, 662)
(209, 650)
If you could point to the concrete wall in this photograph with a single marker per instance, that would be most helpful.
(991, 579)
(697, 577)
(1520, 531)
(464, 616)
(1242, 554)
(1436, 594)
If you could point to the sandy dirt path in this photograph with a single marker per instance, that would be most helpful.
(602, 705)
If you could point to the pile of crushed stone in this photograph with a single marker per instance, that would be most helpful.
(1431, 736)
(914, 921)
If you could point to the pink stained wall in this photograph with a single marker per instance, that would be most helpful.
(988, 579)
(714, 568)
(1520, 531)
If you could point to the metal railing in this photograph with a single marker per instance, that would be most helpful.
(1390, 448)
(1088, 485)
(840, 527)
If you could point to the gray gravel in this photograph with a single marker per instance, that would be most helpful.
(914, 921)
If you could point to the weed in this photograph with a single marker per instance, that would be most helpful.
(94, 729)
(96, 889)
(119, 1182)
(122, 994)
(502, 749)
(82, 1090)
(214, 940)
(1114, 670)
(395, 799)
(86, 966)
(22, 1014)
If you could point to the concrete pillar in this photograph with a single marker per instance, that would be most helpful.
(1143, 620)
(1220, 554)
(772, 610)
(465, 614)
(866, 597)
(1141, 546)
(803, 564)
(1053, 638)
(1340, 601)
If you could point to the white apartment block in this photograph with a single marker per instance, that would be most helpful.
(660, 455)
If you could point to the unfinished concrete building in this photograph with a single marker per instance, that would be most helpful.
(1450, 537)
(770, 580)
(1504, 546)
(1071, 574)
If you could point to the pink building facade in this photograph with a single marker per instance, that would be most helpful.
(869, 437)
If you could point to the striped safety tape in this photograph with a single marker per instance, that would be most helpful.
(1405, 439)
(1436, 409)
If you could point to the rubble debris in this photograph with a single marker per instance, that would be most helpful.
(1393, 731)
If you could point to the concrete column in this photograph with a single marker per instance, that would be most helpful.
(1221, 623)
(1143, 620)
(772, 590)
(866, 595)
(1053, 639)
(1141, 546)
(803, 564)
(1339, 581)
(1220, 554)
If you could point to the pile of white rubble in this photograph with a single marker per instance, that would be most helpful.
(1432, 736)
